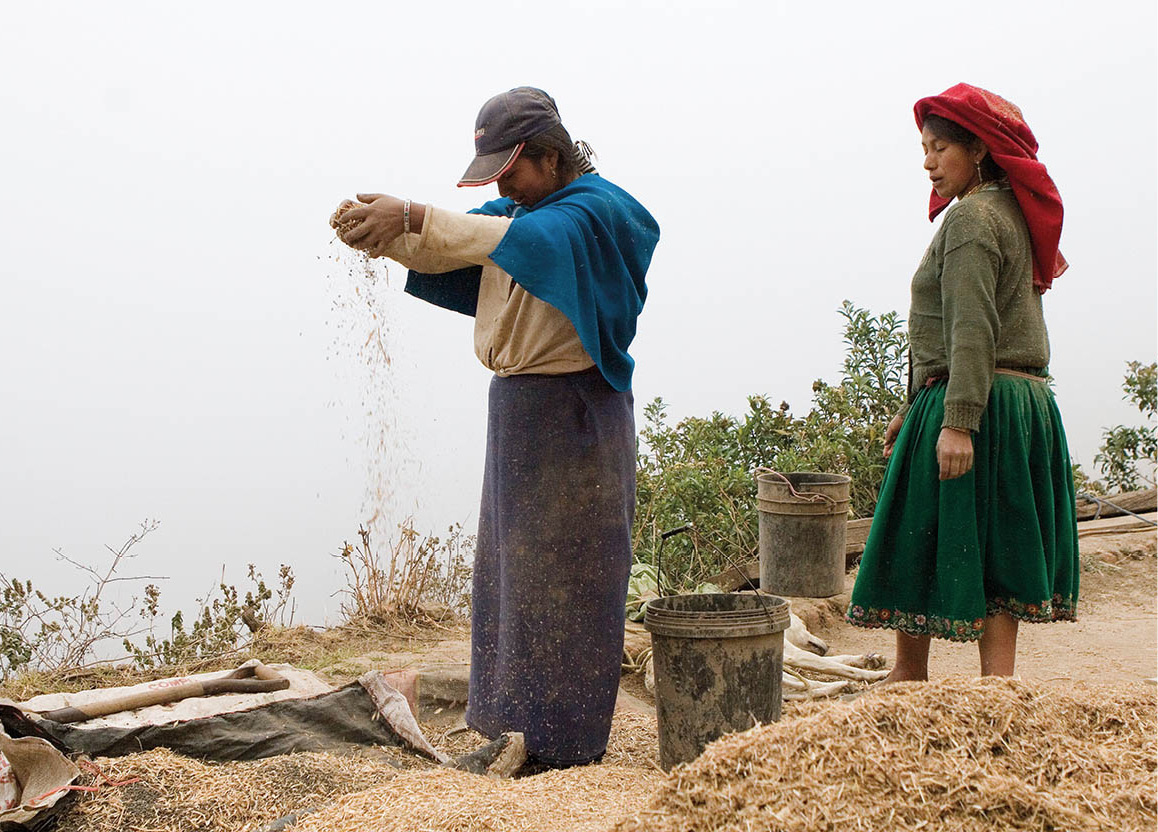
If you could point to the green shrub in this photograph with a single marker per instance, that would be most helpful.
(700, 471)
(1128, 455)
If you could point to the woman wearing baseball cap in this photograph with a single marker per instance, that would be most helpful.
(553, 273)
(975, 531)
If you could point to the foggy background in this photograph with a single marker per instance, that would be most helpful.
(178, 341)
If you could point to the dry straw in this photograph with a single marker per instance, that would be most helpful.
(585, 799)
(176, 794)
(954, 756)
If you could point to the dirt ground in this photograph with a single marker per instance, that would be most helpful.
(1114, 641)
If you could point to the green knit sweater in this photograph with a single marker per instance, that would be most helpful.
(974, 306)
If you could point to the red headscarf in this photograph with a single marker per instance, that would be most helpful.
(1001, 126)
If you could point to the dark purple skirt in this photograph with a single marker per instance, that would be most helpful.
(553, 559)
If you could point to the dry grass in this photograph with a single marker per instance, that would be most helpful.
(321, 651)
(411, 575)
(953, 756)
(634, 741)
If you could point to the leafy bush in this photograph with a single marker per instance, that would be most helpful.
(43, 632)
(700, 471)
(39, 632)
(220, 623)
(845, 431)
(1084, 483)
(1129, 455)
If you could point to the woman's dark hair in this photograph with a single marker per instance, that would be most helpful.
(951, 131)
(573, 162)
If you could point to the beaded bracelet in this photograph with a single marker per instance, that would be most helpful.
(406, 217)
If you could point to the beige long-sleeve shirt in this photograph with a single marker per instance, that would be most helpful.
(514, 332)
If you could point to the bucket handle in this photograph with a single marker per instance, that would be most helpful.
(690, 527)
(806, 496)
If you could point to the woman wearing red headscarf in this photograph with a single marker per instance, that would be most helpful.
(975, 530)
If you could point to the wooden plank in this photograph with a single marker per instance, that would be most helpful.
(1139, 502)
(1114, 525)
(857, 534)
(738, 576)
(855, 538)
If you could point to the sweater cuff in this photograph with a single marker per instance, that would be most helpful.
(469, 237)
(962, 416)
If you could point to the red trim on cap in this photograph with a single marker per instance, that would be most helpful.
(519, 149)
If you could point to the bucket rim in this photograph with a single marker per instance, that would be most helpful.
(767, 616)
(770, 477)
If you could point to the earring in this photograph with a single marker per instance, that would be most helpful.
(980, 178)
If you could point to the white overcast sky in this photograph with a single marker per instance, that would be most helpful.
(177, 343)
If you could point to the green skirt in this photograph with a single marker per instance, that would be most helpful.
(942, 556)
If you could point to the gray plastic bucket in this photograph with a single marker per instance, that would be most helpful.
(802, 534)
(718, 662)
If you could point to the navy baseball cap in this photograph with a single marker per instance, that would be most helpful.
(503, 125)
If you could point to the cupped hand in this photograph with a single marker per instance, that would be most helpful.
(891, 432)
(954, 453)
(371, 224)
(344, 207)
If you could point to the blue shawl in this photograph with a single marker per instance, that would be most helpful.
(585, 250)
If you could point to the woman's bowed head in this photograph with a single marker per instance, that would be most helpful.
(520, 145)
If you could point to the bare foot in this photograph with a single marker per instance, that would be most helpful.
(901, 676)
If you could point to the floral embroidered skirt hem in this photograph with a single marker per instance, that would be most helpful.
(942, 556)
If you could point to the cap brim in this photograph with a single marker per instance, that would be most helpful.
(488, 167)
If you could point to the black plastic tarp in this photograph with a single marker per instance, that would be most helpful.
(343, 721)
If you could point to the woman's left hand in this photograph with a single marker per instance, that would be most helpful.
(374, 224)
(954, 453)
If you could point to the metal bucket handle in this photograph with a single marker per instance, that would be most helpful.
(690, 527)
(806, 496)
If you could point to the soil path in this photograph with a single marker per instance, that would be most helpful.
(1115, 639)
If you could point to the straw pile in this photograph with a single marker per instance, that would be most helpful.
(634, 741)
(573, 800)
(955, 756)
(585, 799)
(177, 794)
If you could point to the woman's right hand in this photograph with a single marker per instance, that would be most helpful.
(891, 432)
(954, 452)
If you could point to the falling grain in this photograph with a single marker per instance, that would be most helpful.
(364, 318)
